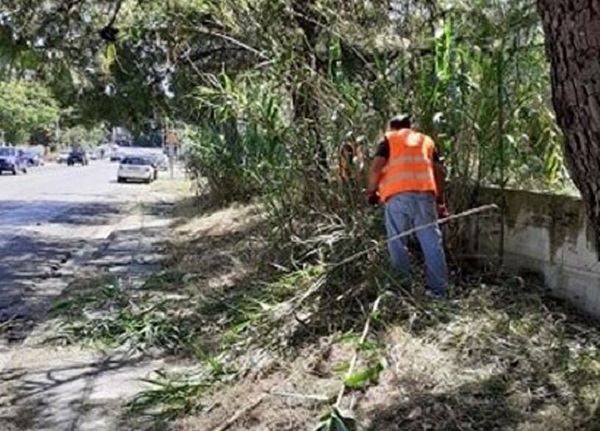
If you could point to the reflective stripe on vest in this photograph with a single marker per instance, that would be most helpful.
(406, 176)
(410, 165)
(408, 159)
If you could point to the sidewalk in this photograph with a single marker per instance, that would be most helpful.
(47, 388)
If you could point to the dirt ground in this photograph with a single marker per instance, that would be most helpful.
(498, 355)
(236, 342)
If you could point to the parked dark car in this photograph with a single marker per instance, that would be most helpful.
(11, 162)
(77, 156)
(32, 159)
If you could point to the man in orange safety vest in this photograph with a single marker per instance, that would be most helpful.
(407, 177)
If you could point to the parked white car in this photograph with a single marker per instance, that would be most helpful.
(136, 168)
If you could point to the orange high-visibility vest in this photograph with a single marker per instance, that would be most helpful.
(410, 165)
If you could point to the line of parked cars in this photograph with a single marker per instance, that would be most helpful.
(135, 164)
(17, 161)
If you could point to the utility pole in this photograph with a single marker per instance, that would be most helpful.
(57, 133)
(170, 141)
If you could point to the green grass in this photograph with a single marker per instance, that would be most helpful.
(110, 316)
(178, 394)
(171, 396)
(166, 279)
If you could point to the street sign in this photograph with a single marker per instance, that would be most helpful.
(172, 138)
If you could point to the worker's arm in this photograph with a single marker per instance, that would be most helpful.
(375, 173)
(379, 161)
(439, 172)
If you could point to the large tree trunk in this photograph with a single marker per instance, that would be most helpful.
(572, 29)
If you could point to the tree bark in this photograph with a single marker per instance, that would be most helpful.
(572, 29)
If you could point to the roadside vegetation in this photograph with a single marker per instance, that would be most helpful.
(263, 346)
(473, 74)
(30, 114)
(108, 315)
(278, 295)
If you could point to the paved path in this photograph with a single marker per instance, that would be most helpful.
(49, 219)
(55, 223)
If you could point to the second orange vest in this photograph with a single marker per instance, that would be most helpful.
(410, 165)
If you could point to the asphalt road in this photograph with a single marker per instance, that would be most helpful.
(59, 224)
(48, 217)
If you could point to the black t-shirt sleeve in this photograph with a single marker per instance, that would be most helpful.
(383, 149)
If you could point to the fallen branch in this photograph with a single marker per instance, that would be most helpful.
(6, 323)
(439, 222)
(295, 302)
(321, 398)
(240, 413)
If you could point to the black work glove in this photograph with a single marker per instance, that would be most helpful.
(373, 199)
(442, 210)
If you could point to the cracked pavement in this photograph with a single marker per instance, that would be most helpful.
(56, 223)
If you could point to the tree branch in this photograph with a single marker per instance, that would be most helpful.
(202, 54)
(115, 14)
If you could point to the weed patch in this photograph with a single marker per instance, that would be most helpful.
(177, 394)
(498, 354)
(111, 316)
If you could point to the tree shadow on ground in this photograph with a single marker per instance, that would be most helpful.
(31, 276)
(40, 264)
(494, 403)
(159, 209)
(45, 276)
(21, 214)
(206, 275)
(212, 279)
(481, 406)
(50, 395)
(57, 395)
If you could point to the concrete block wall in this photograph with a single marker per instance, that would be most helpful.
(547, 235)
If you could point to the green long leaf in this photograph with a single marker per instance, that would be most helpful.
(363, 377)
(110, 56)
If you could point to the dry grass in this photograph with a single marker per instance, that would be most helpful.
(498, 355)
(298, 389)
(217, 247)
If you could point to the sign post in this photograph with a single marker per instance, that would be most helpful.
(171, 151)
(172, 142)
